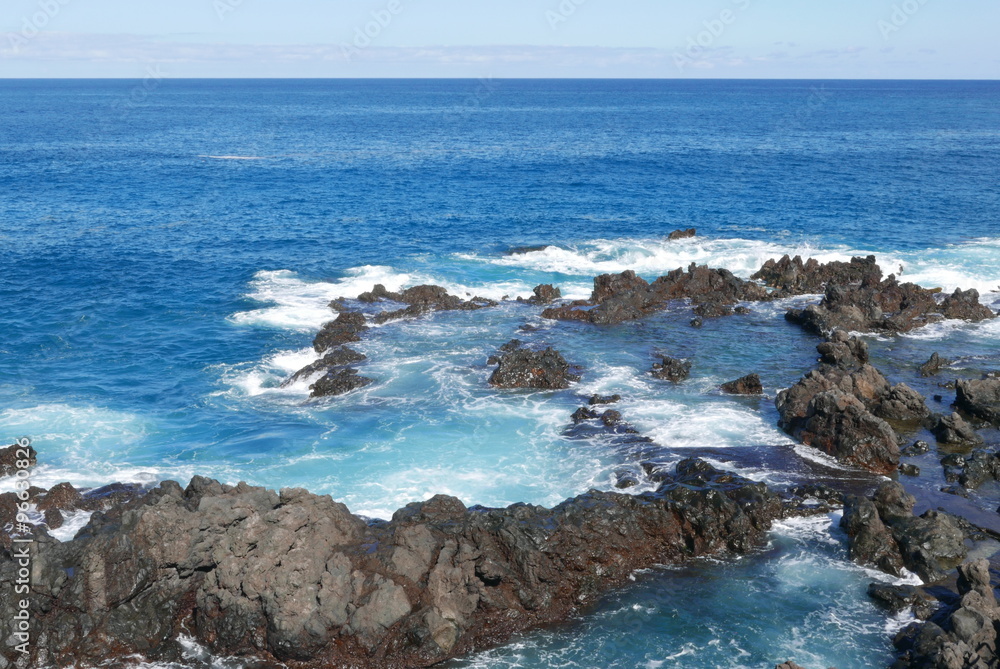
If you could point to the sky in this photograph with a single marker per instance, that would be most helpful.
(799, 39)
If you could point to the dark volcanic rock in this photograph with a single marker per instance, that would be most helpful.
(295, 578)
(933, 365)
(682, 234)
(671, 369)
(842, 409)
(964, 305)
(884, 533)
(340, 356)
(14, 455)
(344, 329)
(622, 297)
(338, 381)
(62, 496)
(954, 429)
(713, 310)
(545, 294)
(917, 448)
(964, 636)
(980, 398)
(843, 350)
(747, 385)
(791, 276)
(604, 399)
(524, 368)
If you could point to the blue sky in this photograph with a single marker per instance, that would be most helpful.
(495, 39)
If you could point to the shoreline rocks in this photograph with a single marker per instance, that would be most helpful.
(747, 385)
(671, 369)
(295, 578)
(520, 367)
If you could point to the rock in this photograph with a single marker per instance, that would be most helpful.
(713, 310)
(341, 356)
(623, 297)
(973, 470)
(545, 294)
(788, 665)
(964, 305)
(682, 234)
(671, 369)
(521, 250)
(344, 329)
(583, 413)
(967, 634)
(917, 448)
(894, 598)
(884, 533)
(909, 470)
(843, 350)
(980, 398)
(696, 322)
(604, 399)
(295, 578)
(62, 496)
(790, 276)
(747, 385)
(933, 365)
(337, 382)
(524, 368)
(13, 456)
(954, 430)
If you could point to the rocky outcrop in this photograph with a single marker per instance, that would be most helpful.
(747, 385)
(340, 356)
(933, 365)
(980, 398)
(954, 429)
(295, 578)
(790, 276)
(520, 367)
(964, 636)
(12, 457)
(964, 305)
(883, 533)
(347, 327)
(842, 408)
(682, 234)
(972, 470)
(623, 297)
(671, 369)
(545, 293)
(338, 381)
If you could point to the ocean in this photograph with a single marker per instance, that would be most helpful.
(170, 248)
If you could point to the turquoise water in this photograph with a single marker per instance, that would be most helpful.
(169, 261)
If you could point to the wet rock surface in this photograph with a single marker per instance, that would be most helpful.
(13, 456)
(682, 234)
(296, 578)
(671, 369)
(520, 367)
(954, 430)
(617, 298)
(934, 365)
(747, 385)
(338, 381)
(962, 635)
(791, 276)
(980, 398)
(842, 408)
(883, 533)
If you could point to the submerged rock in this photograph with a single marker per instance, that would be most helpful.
(747, 385)
(520, 367)
(295, 578)
(671, 369)
(933, 365)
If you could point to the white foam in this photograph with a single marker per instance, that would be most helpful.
(73, 522)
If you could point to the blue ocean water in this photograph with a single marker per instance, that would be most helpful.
(170, 251)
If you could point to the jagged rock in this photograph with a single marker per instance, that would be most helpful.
(790, 276)
(954, 429)
(980, 398)
(344, 329)
(909, 470)
(622, 297)
(696, 322)
(521, 250)
(964, 636)
(671, 369)
(545, 294)
(973, 470)
(788, 665)
(713, 310)
(843, 350)
(604, 399)
(682, 234)
(747, 385)
(341, 356)
(964, 305)
(895, 598)
(13, 455)
(884, 533)
(62, 496)
(916, 448)
(933, 365)
(583, 413)
(524, 368)
(337, 382)
(295, 578)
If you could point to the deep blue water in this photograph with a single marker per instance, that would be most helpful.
(169, 253)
